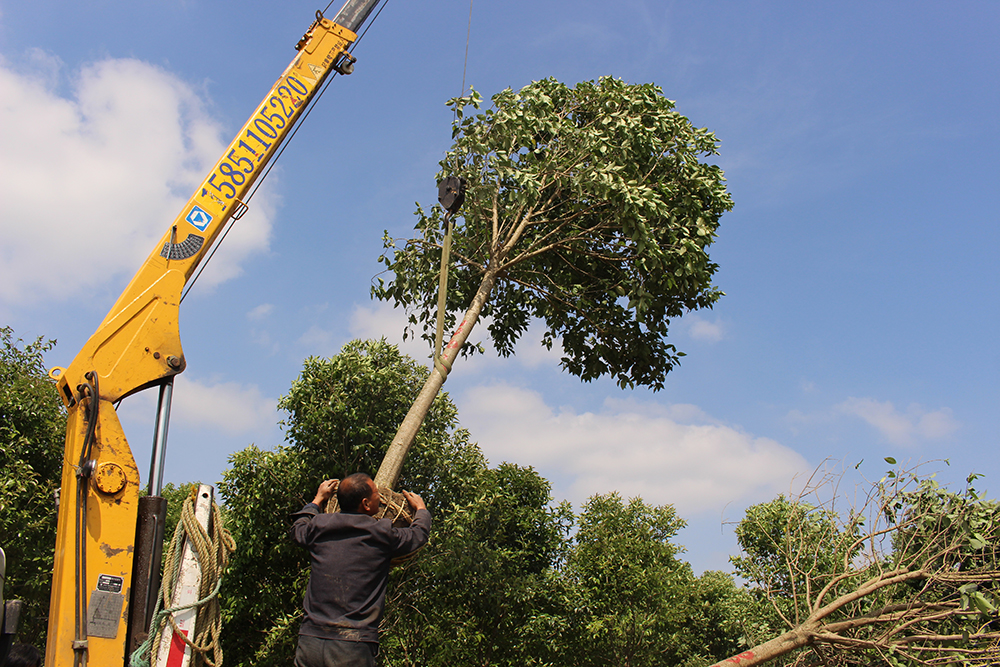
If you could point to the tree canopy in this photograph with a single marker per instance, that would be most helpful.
(588, 208)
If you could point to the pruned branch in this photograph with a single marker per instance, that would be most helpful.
(924, 583)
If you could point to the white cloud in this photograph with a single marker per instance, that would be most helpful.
(229, 407)
(380, 320)
(673, 454)
(901, 428)
(703, 330)
(94, 178)
(226, 407)
(318, 341)
(261, 312)
(937, 424)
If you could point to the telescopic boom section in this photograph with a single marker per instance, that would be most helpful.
(354, 13)
(138, 346)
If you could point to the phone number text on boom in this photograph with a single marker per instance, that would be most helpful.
(257, 139)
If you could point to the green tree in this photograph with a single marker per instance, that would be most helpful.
(488, 587)
(262, 591)
(485, 591)
(32, 431)
(587, 208)
(341, 413)
(725, 618)
(790, 550)
(637, 594)
(501, 581)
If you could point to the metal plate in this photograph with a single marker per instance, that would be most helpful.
(104, 614)
(110, 583)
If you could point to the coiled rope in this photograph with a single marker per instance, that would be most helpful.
(213, 554)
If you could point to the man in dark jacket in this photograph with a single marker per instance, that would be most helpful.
(350, 553)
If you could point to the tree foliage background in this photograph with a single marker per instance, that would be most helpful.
(341, 412)
(906, 577)
(504, 580)
(32, 432)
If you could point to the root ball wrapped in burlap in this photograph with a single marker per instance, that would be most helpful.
(393, 505)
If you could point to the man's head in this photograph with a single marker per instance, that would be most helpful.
(357, 494)
(24, 655)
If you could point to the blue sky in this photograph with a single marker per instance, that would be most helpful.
(860, 263)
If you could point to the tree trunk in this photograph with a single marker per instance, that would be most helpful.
(392, 464)
(771, 649)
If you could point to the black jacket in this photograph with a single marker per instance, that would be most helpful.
(350, 556)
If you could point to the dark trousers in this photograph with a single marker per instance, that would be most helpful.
(319, 652)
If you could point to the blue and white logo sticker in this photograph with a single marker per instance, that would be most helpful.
(199, 217)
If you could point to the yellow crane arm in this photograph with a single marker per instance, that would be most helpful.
(138, 346)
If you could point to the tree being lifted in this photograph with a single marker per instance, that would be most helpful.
(586, 208)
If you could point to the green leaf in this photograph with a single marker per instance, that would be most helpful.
(982, 603)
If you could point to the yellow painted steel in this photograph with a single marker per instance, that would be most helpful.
(138, 346)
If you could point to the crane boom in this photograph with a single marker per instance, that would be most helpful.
(137, 346)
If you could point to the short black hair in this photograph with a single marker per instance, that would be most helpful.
(352, 490)
(24, 655)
